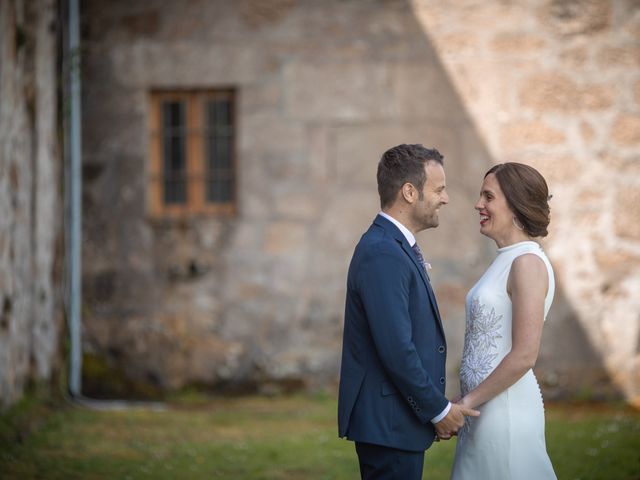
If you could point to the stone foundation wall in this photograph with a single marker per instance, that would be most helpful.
(29, 195)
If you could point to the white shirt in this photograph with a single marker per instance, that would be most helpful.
(412, 241)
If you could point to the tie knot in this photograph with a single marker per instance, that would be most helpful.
(418, 251)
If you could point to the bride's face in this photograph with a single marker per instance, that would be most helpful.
(496, 218)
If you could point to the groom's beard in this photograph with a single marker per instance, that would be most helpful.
(426, 216)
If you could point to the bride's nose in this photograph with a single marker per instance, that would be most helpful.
(479, 204)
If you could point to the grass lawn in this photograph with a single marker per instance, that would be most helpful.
(291, 437)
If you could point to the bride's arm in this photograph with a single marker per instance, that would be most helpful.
(527, 284)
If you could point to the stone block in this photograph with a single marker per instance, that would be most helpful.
(260, 98)
(611, 57)
(626, 130)
(574, 57)
(517, 43)
(334, 91)
(421, 92)
(260, 14)
(321, 163)
(297, 205)
(552, 91)
(555, 168)
(573, 17)
(283, 237)
(457, 43)
(627, 213)
(627, 164)
(586, 131)
(617, 262)
(596, 97)
(523, 134)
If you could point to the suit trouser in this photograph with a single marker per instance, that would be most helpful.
(385, 463)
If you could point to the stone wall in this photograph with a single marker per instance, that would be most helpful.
(29, 195)
(556, 84)
(324, 88)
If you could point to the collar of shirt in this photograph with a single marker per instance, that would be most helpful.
(405, 231)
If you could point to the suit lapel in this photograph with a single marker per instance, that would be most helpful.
(398, 235)
(425, 279)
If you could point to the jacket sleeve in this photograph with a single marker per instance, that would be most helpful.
(384, 287)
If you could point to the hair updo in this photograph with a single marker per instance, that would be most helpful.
(527, 195)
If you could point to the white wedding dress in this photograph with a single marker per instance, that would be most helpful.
(506, 442)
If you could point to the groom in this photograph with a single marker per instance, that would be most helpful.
(392, 379)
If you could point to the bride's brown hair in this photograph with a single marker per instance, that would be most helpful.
(527, 195)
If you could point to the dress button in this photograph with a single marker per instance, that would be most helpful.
(442, 380)
(441, 349)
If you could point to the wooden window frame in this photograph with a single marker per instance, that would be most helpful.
(196, 170)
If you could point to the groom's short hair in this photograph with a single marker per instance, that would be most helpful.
(403, 164)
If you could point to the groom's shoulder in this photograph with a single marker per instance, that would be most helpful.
(379, 240)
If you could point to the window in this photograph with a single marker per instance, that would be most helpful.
(192, 162)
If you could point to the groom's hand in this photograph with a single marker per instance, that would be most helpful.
(449, 425)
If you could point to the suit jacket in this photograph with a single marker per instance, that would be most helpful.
(392, 377)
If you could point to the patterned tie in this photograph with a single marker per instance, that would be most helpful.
(418, 251)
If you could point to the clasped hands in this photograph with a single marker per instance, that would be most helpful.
(449, 425)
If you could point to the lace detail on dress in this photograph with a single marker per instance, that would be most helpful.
(481, 332)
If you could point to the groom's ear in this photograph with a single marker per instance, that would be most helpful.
(409, 193)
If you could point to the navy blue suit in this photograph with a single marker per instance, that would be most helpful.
(392, 377)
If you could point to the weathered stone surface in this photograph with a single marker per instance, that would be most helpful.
(626, 129)
(319, 92)
(572, 17)
(323, 90)
(459, 43)
(517, 43)
(628, 212)
(518, 135)
(587, 132)
(581, 92)
(629, 164)
(574, 57)
(29, 196)
(258, 14)
(612, 57)
(555, 168)
(617, 262)
(558, 92)
(284, 237)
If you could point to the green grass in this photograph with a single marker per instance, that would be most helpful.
(280, 438)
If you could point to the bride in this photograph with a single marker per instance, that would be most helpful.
(505, 312)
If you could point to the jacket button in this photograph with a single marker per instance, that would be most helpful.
(410, 399)
(441, 349)
(442, 380)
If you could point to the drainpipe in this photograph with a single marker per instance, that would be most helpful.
(74, 234)
(75, 207)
